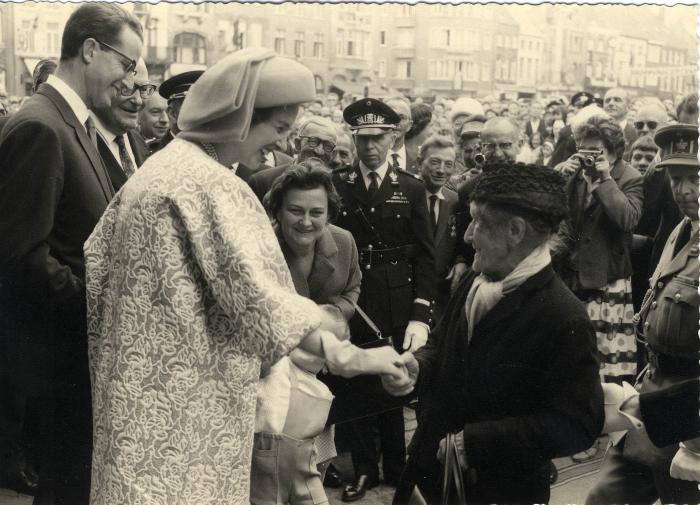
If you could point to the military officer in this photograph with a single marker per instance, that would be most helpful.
(635, 470)
(386, 211)
(174, 91)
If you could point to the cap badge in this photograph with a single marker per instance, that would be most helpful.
(369, 118)
(682, 146)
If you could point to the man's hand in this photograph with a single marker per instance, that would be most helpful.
(416, 336)
(459, 442)
(456, 274)
(686, 465)
(602, 167)
(568, 167)
(402, 386)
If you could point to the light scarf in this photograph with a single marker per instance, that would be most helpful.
(485, 294)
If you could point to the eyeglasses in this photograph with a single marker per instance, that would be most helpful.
(490, 148)
(145, 90)
(639, 157)
(437, 163)
(471, 150)
(651, 124)
(314, 142)
(131, 67)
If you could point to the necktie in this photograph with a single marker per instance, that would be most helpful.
(92, 133)
(395, 165)
(373, 184)
(127, 164)
(433, 213)
(683, 238)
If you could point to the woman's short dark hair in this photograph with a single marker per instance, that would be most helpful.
(100, 21)
(310, 174)
(605, 129)
(263, 115)
(421, 114)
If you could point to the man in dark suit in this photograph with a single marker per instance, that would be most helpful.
(315, 139)
(398, 156)
(437, 161)
(512, 367)
(53, 190)
(121, 146)
(616, 103)
(535, 122)
(174, 90)
(385, 210)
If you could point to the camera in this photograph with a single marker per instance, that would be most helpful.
(479, 159)
(588, 156)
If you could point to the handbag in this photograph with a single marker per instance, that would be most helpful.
(452, 477)
(361, 396)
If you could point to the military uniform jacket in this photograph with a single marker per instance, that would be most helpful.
(670, 327)
(396, 217)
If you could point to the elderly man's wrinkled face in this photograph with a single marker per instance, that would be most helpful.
(372, 149)
(684, 186)
(437, 167)
(404, 112)
(343, 155)
(485, 234)
(316, 141)
(153, 119)
(122, 113)
(500, 140)
(616, 103)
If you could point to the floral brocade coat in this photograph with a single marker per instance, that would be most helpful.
(189, 301)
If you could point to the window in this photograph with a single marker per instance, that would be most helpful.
(318, 46)
(403, 69)
(190, 48)
(279, 41)
(340, 43)
(382, 38)
(440, 69)
(299, 45)
(381, 68)
(53, 38)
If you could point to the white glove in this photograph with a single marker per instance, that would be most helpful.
(416, 336)
(686, 465)
(347, 360)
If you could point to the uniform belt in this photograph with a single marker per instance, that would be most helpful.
(673, 365)
(369, 257)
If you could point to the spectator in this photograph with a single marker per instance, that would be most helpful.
(687, 110)
(650, 117)
(397, 155)
(616, 104)
(500, 140)
(565, 145)
(153, 118)
(174, 90)
(121, 146)
(344, 154)
(464, 110)
(535, 122)
(421, 116)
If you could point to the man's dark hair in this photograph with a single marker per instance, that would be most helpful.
(689, 106)
(42, 71)
(100, 21)
(421, 115)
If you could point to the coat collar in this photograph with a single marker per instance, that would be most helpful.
(669, 264)
(90, 150)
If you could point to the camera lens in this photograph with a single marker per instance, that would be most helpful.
(589, 161)
(479, 158)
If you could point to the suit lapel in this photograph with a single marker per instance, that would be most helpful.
(443, 217)
(680, 260)
(114, 169)
(138, 147)
(323, 267)
(82, 136)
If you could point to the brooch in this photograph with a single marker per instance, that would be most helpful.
(394, 178)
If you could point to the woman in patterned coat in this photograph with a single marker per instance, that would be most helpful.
(190, 300)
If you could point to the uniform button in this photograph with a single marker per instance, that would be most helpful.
(409, 279)
(677, 297)
(372, 209)
(647, 325)
(430, 320)
(653, 305)
(660, 285)
(369, 246)
(345, 213)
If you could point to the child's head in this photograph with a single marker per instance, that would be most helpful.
(643, 152)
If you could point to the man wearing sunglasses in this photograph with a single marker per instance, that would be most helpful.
(650, 117)
(316, 138)
(121, 146)
(53, 189)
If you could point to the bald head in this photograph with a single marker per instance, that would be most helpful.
(650, 117)
(500, 140)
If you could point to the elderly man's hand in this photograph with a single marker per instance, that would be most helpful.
(403, 385)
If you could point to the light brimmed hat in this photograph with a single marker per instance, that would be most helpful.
(219, 106)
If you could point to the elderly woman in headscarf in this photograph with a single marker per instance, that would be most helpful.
(190, 299)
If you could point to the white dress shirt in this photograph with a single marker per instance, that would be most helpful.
(110, 140)
(440, 196)
(69, 95)
(381, 172)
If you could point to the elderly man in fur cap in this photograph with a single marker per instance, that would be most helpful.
(512, 367)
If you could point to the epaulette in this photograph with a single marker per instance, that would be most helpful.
(404, 172)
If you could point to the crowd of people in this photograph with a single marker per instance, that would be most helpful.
(194, 276)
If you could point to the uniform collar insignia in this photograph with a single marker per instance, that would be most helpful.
(394, 177)
(351, 177)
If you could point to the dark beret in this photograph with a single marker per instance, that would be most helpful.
(532, 187)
